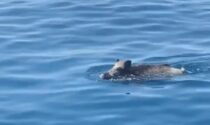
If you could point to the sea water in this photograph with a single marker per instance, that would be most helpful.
(52, 52)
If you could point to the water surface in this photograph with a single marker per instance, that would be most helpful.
(52, 52)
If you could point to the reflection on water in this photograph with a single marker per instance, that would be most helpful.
(53, 51)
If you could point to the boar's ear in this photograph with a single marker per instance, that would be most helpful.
(128, 63)
(117, 60)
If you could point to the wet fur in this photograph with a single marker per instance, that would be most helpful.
(126, 69)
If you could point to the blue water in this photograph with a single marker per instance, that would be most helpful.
(52, 52)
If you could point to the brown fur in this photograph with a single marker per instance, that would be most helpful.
(125, 68)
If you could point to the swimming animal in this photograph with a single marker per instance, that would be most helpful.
(126, 70)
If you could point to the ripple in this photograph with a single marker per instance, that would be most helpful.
(53, 51)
